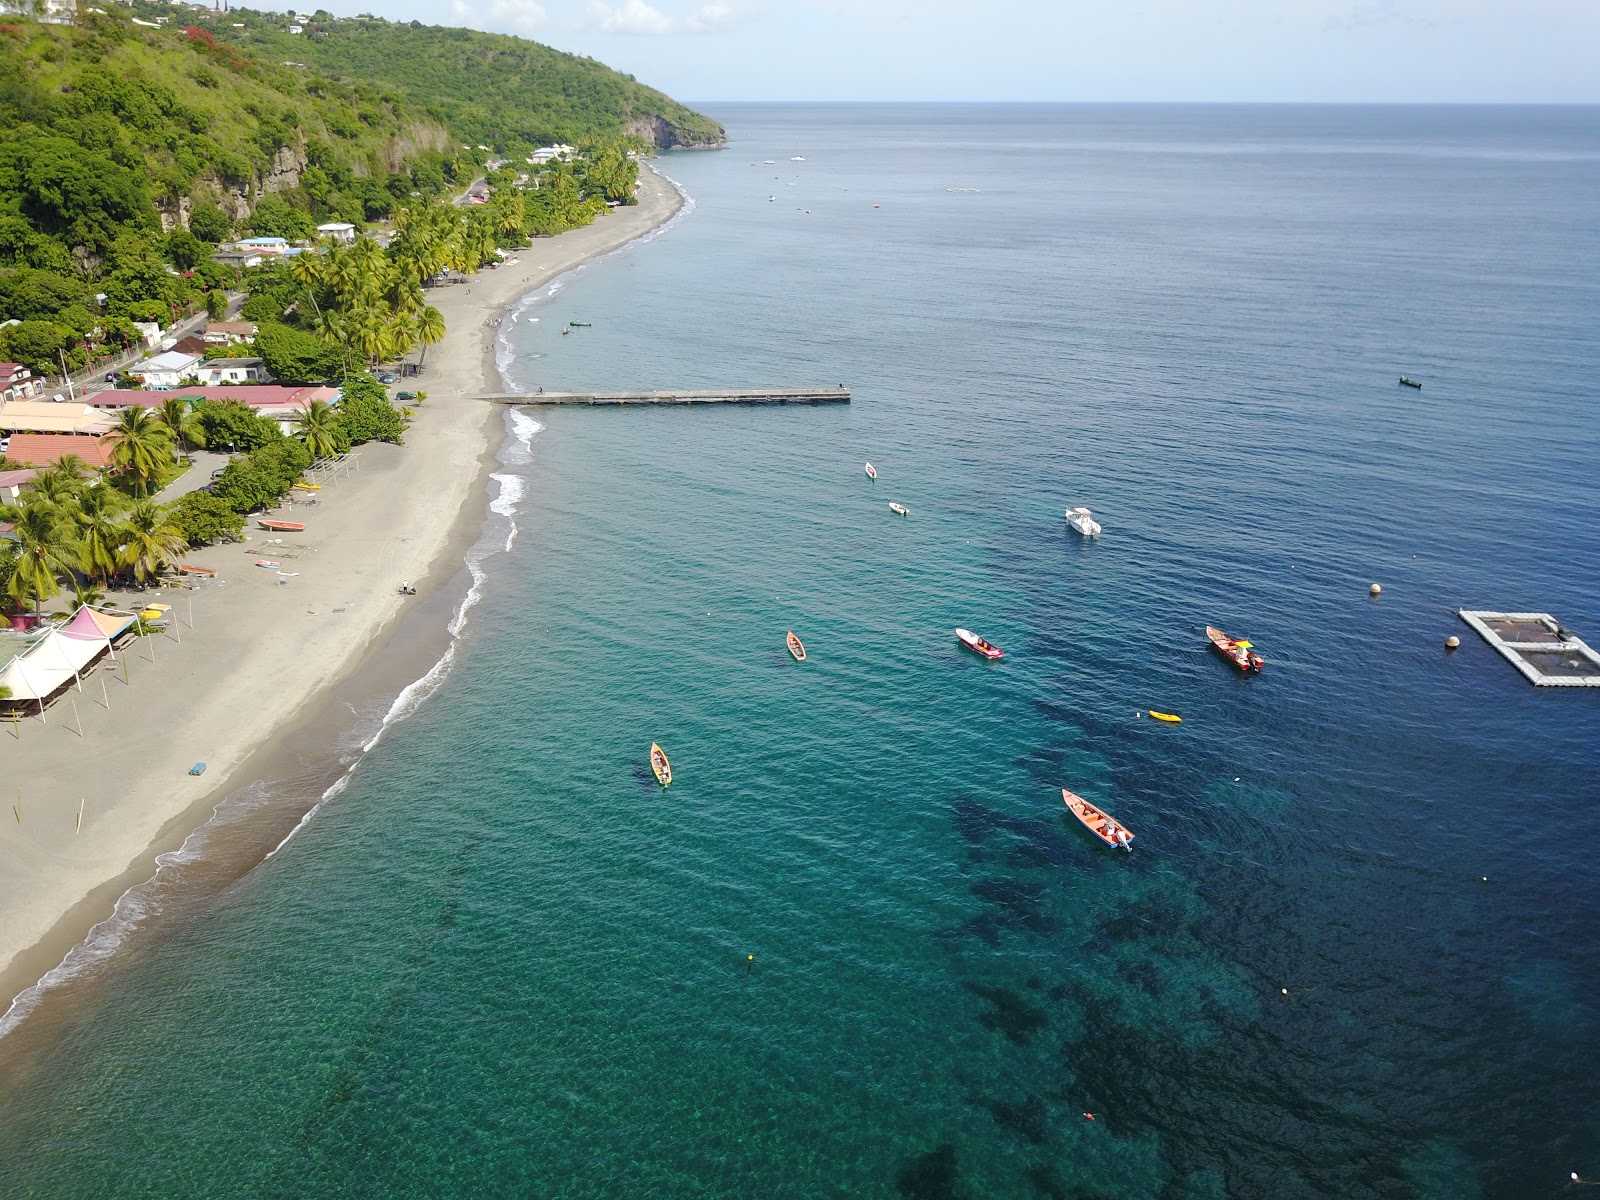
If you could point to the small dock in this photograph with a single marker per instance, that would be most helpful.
(1546, 652)
(833, 395)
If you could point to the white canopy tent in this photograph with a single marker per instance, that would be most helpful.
(61, 656)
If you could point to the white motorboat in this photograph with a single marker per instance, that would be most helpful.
(1083, 521)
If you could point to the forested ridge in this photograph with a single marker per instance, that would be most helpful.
(128, 152)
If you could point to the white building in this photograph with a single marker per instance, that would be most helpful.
(18, 383)
(165, 371)
(219, 371)
(341, 232)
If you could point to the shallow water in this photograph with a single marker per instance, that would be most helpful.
(857, 948)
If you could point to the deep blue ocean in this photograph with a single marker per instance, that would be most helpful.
(858, 948)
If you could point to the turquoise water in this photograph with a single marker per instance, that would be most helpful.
(857, 948)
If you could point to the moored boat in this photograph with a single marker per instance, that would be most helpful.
(1098, 822)
(580, 324)
(1410, 383)
(659, 765)
(1083, 521)
(1238, 652)
(973, 642)
(899, 509)
(1170, 718)
(872, 471)
(796, 648)
(283, 526)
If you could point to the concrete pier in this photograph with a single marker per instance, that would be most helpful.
(833, 395)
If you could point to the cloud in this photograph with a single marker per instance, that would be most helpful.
(640, 17)
(521, 16)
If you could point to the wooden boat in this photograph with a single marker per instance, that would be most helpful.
(795, 646)
(1098, 822)
(198, 769)
(267, 562)
(283, 526)
(973, 642)
(191, 569)
(659, 765)
(1239, 653)
(1168, 717)
(899, 509)
(1410, 383)
(872, 471)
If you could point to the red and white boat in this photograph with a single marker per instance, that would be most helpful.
(1238, 652)
(872, 471)
(283, 526)
(1098, 822)
(973, 642)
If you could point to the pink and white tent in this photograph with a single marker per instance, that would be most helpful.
(60, 657)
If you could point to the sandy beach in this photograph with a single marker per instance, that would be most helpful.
(252, 659)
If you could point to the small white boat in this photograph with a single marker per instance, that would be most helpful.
(770, 199)
(899, 510)
(798, 158)
(872, 471)
(771, 162)
(1083, 521)
(973, 642)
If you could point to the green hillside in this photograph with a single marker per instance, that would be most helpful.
(489, 88)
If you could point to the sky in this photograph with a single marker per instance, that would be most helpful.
(1452, 51)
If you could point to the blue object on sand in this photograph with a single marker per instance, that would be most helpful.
(198, 769)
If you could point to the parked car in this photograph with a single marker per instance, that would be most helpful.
(387, 377)
(217, 474)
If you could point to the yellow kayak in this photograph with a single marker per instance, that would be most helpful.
(1166, 717)
(309, 487)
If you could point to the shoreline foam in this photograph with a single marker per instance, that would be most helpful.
(83, 934)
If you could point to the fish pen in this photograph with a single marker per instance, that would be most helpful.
(1538, 645)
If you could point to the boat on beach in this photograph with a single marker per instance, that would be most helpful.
(1098, 822)
(900, 510)
(283, 526)
(659, 765)
(973, 642)
(796, 648)
(872, 471)
(1083, 521)
(1238, 652)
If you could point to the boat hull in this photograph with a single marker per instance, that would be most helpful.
(899, 510)
(1098, 822)
(796, 647)
(872, 471)
(659, 766)
(282, 526)
(1169, 718)
(977, 645)
(1241, 656)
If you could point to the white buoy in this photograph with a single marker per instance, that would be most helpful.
(1452, 642)
(1375, 590)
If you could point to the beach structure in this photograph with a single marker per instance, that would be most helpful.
(231, 370)
(58, 657)
(1546, 652)
(165, 371)
(46, 416)
(838, 395)
(277, 402)
(46, 449)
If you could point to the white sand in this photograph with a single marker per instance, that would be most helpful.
(259, 652)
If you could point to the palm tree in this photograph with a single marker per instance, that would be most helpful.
(139, 445)
(179, 420)
(100, 532)
(151, 539)
(429, 329)
(58, 486)
(316, 426)
(46, 549)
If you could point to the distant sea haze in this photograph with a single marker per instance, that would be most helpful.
(859, 946)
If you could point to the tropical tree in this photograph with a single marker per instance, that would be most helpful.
(177, 417)
(139, 445)
(47, 548)
(152, 538)
(59, 485)
(317, 429)
(97, 515)
(429, 329)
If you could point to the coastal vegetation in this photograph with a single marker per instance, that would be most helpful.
(128, 154)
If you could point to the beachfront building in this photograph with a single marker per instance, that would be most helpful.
(18, 383)
(46, 416)
(276, 402)
(231, 370)
(165, 371)
(220, 333)
(46, 449)
(340, 232)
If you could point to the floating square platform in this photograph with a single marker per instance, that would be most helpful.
(1539, 646)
